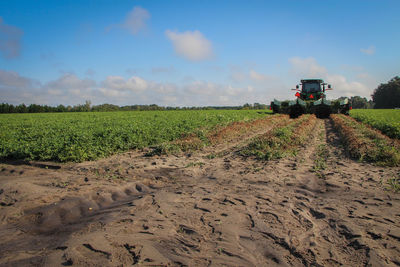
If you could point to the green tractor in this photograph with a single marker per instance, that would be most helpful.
(311, 99)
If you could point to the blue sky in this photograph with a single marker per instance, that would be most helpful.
(192, 53)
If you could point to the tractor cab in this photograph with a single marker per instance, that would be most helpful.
(311, 89)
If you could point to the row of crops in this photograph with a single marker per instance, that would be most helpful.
(385, 120)
(365, 143)
(87, 136)
(282, 140)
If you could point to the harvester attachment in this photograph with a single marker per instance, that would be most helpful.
(276, 106)
(297, 108)
(345, 106)
(322, 108)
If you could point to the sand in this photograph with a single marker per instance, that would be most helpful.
(208, 208)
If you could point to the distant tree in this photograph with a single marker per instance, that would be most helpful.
(359, 102)
(88, 104)
(259, 106)
(371, 104)
(61, 108)
(86, 107)
(21, 108)
(33, 108)
(387, 95)
(6, 108)
(106, 107)
(247, 106)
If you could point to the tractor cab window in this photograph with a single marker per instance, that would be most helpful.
(311, 87)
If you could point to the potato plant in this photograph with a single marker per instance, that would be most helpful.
(385, 120)
(90, 135)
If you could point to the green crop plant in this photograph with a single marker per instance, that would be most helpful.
(281, 141)
(367, 144)
(385, 120)
(84, 136)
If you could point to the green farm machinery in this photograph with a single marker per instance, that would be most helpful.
(311, 98)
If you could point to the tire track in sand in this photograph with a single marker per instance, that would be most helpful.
(228, 210)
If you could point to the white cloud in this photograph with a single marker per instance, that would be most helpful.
(170, 100)
(113, 93)
(10, 40)
(309, 68)
(136, 20)
(55, 92)
(16, 89)
(192, 93)
(343, 87)
(10, 79)
(257, 87)
(369, 51)
(134, 83)
(69, 81)
(201, 88)
(191, 45)
(163, 88)
(201, 93)
(135, 90)
(259, 77)
(69, 89)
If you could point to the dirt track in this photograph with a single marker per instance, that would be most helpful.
(201, 210)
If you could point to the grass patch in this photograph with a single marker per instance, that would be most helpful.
(322, 155)
(394, 184)
(193, 164)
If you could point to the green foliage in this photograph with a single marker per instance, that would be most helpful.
(360, 102)
(88, 136)
(394, 184)
(87, 107)
(367, 144)
(385, 120)
(387, 95)
(278, 143)
(194, 164)
(321, 157)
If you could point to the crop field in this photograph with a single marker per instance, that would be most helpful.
(385, 120)
(78, 137)
(197, 188)
(87, 136)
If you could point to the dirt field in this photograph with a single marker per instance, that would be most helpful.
(201, 210)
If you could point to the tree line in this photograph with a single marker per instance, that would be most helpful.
(87, 107)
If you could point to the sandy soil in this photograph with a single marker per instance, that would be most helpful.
(201, 210)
